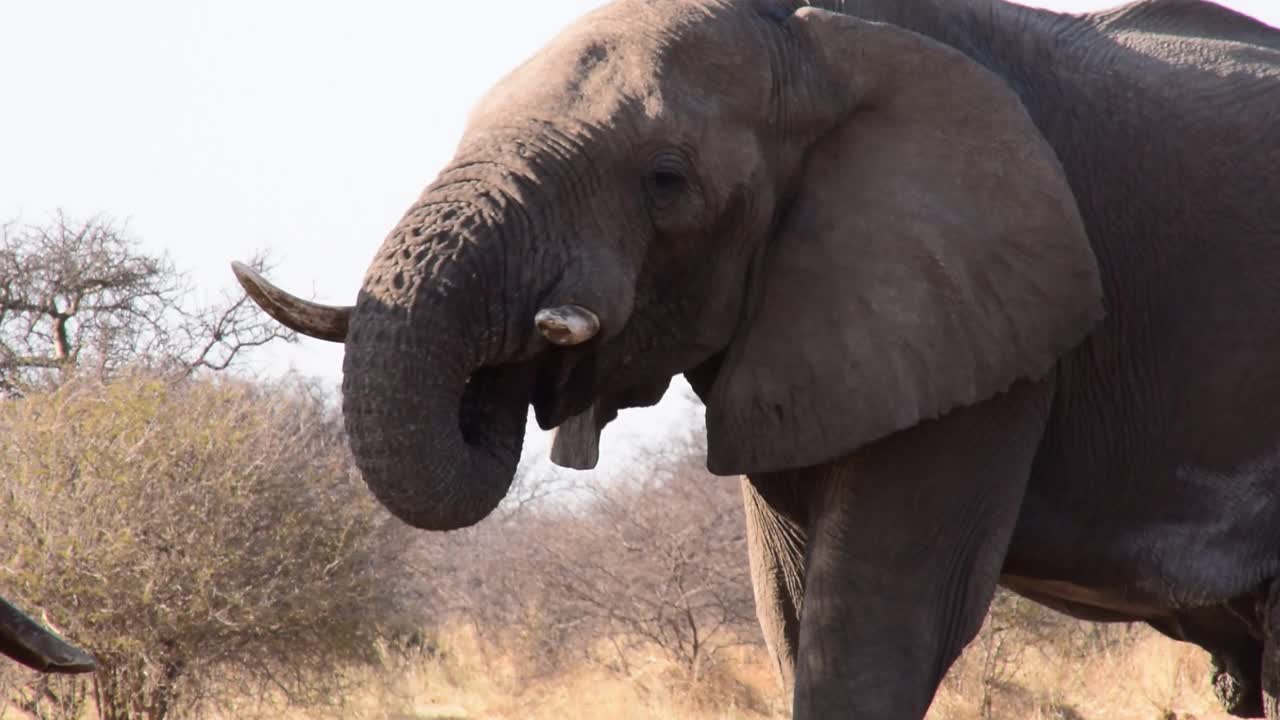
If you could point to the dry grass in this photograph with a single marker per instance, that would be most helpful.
(1143, 676)
(1147, 678)
(466, 679)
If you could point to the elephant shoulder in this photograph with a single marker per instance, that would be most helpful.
(1191, 19)
(1194, 55)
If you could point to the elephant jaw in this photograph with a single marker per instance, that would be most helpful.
(575, 443)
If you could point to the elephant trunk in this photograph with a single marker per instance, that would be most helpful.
(435, 393)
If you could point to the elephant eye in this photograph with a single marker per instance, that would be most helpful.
(665, 181)
(666, 187)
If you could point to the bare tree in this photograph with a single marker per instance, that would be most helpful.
(659, 563)
(85, 295)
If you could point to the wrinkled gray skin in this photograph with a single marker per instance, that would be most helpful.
(33, 645)
(973, 293)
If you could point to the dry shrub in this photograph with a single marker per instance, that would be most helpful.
(654, 564)
(626, 596)
(638, 566)
(1032, 663)
(200, 537)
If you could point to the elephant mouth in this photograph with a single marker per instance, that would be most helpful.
(565, 385)
(569, 391)
(571, 381)
(568, 398)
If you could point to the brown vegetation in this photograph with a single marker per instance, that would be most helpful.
(1126, 673)
(590, 573)
(202, 536)
(188, 532)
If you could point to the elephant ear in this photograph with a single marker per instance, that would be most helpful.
(932, 255)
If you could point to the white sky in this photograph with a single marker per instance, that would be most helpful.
(305, 128)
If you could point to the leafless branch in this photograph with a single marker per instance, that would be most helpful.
(84, 295)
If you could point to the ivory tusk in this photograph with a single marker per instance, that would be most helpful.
(323, 322)
(567, 324)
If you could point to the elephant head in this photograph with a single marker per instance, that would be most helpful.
(834, 228)
(31, 644)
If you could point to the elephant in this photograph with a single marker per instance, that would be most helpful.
(30, 643)
(974, 295)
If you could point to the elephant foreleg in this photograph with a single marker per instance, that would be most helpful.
(776, 517)
(906, 542)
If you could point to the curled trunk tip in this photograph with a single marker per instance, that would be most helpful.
(436, 438)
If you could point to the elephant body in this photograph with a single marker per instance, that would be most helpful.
(1154, 491)
(1160, 444)
(973, 293)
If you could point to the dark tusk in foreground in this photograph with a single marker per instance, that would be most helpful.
(35, 646)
